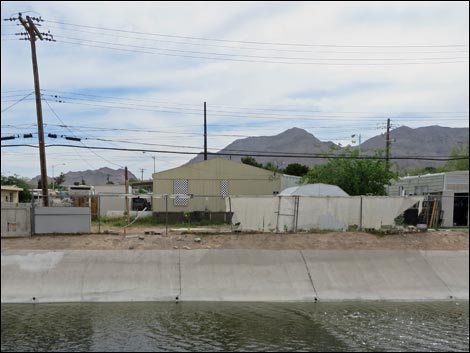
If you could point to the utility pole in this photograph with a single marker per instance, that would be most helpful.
(33, 33)
(387, 146)
(205, 133)
(141, 173)
(153, 164)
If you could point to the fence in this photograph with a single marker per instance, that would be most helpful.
(61, 220)
(24, 220)
(292, 213)
(16, 220)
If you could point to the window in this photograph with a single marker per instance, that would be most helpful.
(180, 186)
(224, 189)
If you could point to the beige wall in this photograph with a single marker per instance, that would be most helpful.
(11, 195)
(110, 199)
(204, 179)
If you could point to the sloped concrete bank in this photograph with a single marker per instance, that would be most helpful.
(232, 275)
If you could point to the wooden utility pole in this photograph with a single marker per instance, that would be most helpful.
(387, 146)
(205, 133)
(33, 33)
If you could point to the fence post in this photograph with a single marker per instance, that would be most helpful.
(297, 213)
(32, 213)
(230, 213)
(166, 214)
(99, 214)
(360, 215)
(278, 211)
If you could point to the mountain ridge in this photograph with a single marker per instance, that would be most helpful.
(431, 140)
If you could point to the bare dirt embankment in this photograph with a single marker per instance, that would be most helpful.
(221, 238)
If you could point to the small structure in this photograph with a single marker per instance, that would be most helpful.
(198, 190)
(318, 189)
(10, 193)
(110, 200)
(450, 189)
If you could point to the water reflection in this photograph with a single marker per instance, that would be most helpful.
(353, 326)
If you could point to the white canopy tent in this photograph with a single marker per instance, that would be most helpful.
(314, 190)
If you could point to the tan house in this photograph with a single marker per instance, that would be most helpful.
(10, 193)
(201, 187)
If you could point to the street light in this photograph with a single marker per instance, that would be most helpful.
(153, 162)
(53, 180)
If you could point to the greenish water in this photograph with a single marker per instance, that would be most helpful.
(342, 326)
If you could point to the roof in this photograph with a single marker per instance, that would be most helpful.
(11, 188)
(314, 190)
(216, 167)
(430, 175)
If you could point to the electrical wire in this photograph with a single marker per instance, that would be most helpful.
(313, 156)
(261, 43)
(263, 61)
(18, 101)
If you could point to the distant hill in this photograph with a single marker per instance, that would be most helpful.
(92, 177)
(293, 140)
(423, 141)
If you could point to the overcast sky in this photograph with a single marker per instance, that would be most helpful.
(136, 74)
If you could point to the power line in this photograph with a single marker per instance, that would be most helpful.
(247, 107)
(255, 48)
(18, 101)
(263, 61)
(196, 111)
(18, 90)
(260, 56)
(253, 155)
(242, 114)
(76, 137)
(263, 43)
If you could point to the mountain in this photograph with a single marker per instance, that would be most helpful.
(423, 141)
(92, 177)
(293, 140)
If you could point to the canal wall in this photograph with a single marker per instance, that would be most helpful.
(232, 275)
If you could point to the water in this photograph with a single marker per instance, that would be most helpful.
(343, 326)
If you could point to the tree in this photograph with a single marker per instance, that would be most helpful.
(296, 169)
(459, 164)
(25, 195)
(251, 161)
(60, 179)
(272, 167)
(354, 174)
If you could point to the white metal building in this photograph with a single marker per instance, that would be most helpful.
(451, 187)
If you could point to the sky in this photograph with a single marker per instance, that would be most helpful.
(135, 75)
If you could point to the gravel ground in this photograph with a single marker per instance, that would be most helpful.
(222, 238)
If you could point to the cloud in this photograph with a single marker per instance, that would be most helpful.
(333, 98)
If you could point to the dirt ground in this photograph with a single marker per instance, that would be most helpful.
(222, 238)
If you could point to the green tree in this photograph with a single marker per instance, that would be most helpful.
(60, 179)
(251, 161)
(353, 174)
(25, 195)
(272, 167)
(296, 169)
(459, 164)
